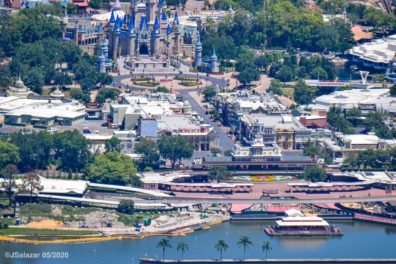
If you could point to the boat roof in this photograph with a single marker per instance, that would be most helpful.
(302, 221)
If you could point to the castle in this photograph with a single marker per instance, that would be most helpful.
(149, 37)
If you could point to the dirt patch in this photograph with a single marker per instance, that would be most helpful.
(45, 224)
(98, 219)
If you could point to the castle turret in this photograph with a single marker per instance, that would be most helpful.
(180, 7)
(116, 38)
(214, 67)
(156, 37)
(105, 48)
(131, 37)
(150, 11)
(102, 66)
(176, 32)
(198, 52)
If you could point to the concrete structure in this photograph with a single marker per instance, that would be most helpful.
(364, 99)
(345, 146)
(41, 112)
(377, 54)
(19, 90)
(285, 130)
(155, 114)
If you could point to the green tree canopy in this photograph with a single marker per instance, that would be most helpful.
(219, 173)
(113, 168)
(303, 94)
(126, 206)
(9, 153)
(113, 144)
(150, 152)
(314, 174)
(175, 148)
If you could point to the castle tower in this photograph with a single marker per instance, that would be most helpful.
(156, 36)
(198, 52)
(159, 8)
(168, 32)
(164, 21)
(105, 48)
(150, 11)
(214, 67)
(116, 39)
(131, 37)
(102, 66)
(176, 32)
(180, 7)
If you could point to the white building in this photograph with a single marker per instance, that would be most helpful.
(377, 54)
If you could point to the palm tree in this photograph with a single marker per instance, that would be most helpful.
(183, 247)
(164, 243)
(221, 246)
(245, 242)
(266, 247)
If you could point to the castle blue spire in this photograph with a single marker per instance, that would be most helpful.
(143, 23)
(131, 22)
(118, 22)
(125, 19)
(164, 17)
(176, 19)
(198, 44)
(156, 23)
(214, 56)
(112, 18)
(168, 30)
(160, 4)
(180, 4)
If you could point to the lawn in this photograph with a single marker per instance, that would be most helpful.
(35, 210)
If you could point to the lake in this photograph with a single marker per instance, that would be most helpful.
(360, 240)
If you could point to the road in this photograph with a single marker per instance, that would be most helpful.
(225, 143)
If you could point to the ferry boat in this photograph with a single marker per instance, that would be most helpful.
(297, 224)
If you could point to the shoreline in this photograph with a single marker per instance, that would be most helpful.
(96, 238)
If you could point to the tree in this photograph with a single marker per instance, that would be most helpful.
(353, 115)
(8, 173)
(113, 144)
(314, 174)
(392, 90)
(266, 247)
(72, 150)
(248, 75)
(150, 152)
(209, 93)
(285, 73)
(336, 119)
(113, 168)
(303, 94)
(35, 150)
(215, 151)
(31, 183)
(95, 4)
(9, 153)
(221, 246)
(126, 206)
(276, 87)
(164, 243)
(175, 148)
(245, 242)
(183, 247)
(219, 173)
